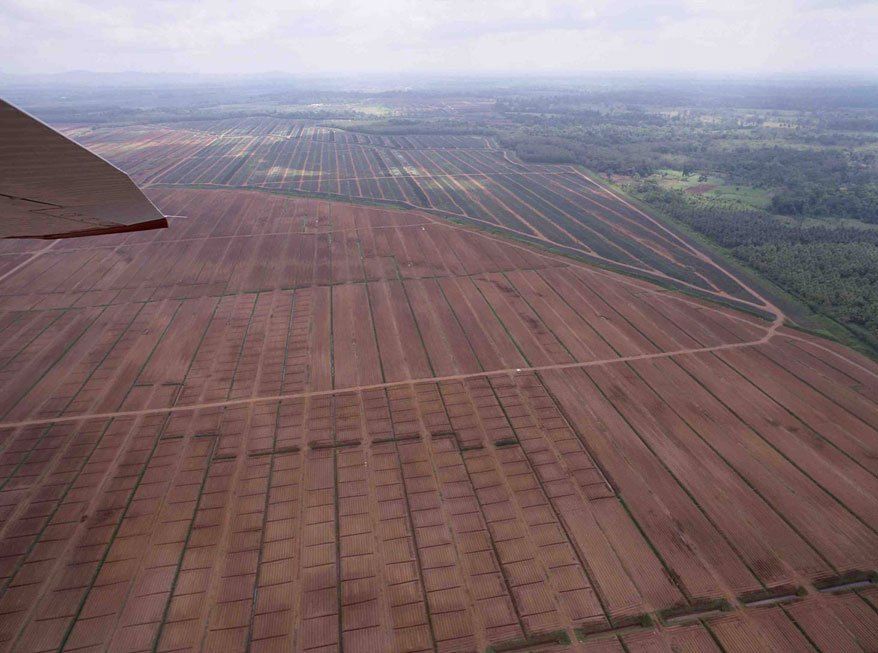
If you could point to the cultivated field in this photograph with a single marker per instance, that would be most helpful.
(294, 424)
(460, 176)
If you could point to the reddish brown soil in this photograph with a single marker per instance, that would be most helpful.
(700, 189)
(465, 177)
(288, 424)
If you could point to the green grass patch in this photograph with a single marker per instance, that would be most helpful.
(613, 627)
(712, 187)
(774, 594)
(557, 637)
(694, 610)
(855, 577)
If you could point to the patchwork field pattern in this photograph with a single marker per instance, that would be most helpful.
(290, 424)
(465, 177)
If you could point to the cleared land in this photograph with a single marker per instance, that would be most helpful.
(290, 424)
(465, 177)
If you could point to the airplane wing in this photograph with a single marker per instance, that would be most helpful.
(51, 187)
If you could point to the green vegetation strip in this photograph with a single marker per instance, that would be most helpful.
(557, 637)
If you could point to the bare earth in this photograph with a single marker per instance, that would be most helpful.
(292, 424)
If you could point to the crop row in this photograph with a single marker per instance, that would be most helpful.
(550, 204)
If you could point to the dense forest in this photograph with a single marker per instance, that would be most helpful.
(814, 163)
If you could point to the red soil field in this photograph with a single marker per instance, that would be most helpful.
(292, 424)
(469, 178)
(699, 189)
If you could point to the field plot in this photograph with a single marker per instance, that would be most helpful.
(461, 176)
(293, 424)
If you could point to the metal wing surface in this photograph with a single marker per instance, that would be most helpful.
(51, 187)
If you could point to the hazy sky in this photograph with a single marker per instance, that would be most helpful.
(302, 36)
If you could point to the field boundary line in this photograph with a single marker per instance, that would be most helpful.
(401, 205)
(253, 235)
(376, 386)
(32, 257)
(817, 344)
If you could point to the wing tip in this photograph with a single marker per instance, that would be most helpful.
(160, 223)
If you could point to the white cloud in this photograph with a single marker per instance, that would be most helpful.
(440, 35)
